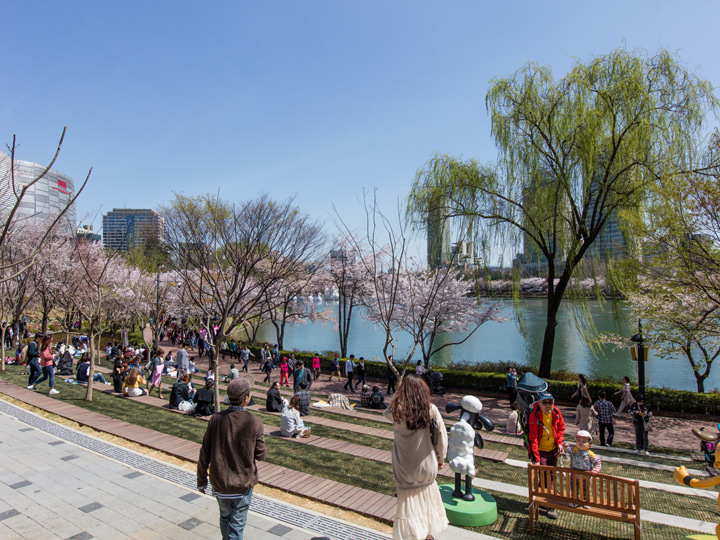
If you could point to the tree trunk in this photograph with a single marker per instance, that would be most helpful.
(91, 372)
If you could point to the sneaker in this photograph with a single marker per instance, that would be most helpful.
(647, 452)
(53, 391)
(551, 514)
(586, 506)
(572, 505)
(31, 387)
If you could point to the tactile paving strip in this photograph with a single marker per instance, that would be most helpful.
(267, 507)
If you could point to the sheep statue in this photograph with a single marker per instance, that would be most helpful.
(462, 439)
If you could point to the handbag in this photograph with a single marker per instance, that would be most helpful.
(648, 426)
(434, 435)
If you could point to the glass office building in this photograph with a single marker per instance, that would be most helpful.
(126, 228)
(43, 200)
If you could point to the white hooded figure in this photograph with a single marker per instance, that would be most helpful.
(461, 440)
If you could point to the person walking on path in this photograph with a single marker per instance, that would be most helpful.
(627, 397)
(605, 411)
(284, 369)
(416, 459)
(641, 422)
(47, 357)
(335, 368)
(392, 379)
(182, 361)
(316, 366)
(349, 368)
(582, 390)
(361, 370)
(585, 415)
(156, 370)
(231, 447)
(33, 360)
(245, 355)
(267, 368)
(301, 375)
(511, 380)
(546, 434)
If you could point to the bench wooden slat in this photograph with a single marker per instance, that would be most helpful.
(606, 496)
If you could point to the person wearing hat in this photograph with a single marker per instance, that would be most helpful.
(583, 459)
(546, 434)
(32, 355)
(231, 447)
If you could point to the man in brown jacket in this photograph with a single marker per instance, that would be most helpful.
(232, 444)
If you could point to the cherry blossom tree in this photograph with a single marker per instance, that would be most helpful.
(345, 274)
(679, 320)
(230, 254)
(439, 302)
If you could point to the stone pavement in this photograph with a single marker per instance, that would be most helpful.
(58, 483)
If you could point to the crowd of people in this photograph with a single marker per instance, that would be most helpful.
(138, 371)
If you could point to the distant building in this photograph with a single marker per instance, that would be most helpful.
(85, 232)
(465, 256)
(44, 200)
(127, 228)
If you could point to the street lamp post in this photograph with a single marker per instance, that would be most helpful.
(641, 352)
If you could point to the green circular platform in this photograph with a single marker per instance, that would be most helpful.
(482, 511)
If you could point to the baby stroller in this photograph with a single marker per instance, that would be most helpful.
(434, 380)
(528, 389)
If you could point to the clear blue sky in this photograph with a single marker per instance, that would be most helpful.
(313, 99)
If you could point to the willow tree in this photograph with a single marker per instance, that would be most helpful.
(575, 156)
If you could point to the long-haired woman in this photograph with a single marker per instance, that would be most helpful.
(133, 382)
(420, 513)
(47, 358)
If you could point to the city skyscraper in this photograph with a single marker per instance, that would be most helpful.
(127, 228)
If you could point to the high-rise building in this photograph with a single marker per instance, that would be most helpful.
(127, 228)
(43, 200)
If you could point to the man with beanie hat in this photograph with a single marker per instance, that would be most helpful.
(232, 444)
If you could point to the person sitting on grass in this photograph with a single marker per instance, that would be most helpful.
(376, 399)
(291, 425)
(118, 376)
(205, 399)
(133, 383)
(180, 392)
(83, 371)
(274, 402)
(365, 396)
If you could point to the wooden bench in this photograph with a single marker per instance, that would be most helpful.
(605, 496)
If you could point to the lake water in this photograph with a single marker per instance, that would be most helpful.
(503, 342)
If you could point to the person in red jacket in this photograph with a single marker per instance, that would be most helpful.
(546, 434)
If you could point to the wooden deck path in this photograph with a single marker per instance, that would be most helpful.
(352, 498)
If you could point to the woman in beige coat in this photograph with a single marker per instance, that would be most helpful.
(420, 513)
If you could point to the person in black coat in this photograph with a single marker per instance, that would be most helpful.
(274, 402)
(180, 391)
(205, 399)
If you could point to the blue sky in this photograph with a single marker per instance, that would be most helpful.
(312, 99)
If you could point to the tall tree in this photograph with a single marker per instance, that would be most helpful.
(575, 155)
(228, 255)
(345, 274)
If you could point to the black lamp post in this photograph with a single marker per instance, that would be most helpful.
(641, 352)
